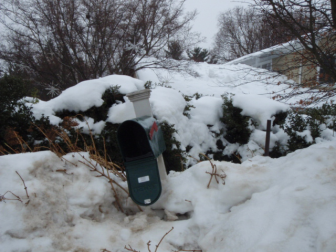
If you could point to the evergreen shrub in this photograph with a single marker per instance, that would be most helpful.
(174, 156)
(237, 125)
(15, 118)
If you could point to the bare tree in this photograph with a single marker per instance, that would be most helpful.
(67, 41)
(311, 25)
(242, 30)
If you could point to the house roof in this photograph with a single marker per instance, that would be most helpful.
(265, 55)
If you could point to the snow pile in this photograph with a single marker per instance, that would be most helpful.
(216, 80)
(286, 204)
(258, 107)
(85, 95)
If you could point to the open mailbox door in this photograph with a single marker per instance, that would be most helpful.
(141, 143)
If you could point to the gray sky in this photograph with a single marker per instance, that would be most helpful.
(208, 12)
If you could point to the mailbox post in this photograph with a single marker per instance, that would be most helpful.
(141, 142)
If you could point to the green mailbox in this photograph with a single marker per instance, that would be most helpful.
(141, 142)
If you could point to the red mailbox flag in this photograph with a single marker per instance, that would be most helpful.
(154, 128)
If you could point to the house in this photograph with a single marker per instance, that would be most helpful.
(289, 59)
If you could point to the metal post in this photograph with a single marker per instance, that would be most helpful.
(140, 100)
(268, 137)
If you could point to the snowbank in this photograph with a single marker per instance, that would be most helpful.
(286, 204)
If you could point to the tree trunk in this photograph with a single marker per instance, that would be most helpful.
(333, 12)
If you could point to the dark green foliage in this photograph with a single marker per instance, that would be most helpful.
(174, 157)
(151, 85)
(277, 151)
(296, 123)
(110, 97)
(11, 90)
(280, 118)
(323, 115)
(188, 98)
(309, 119)
(197, 95)
(198, 54)
(15, 115)
(237, 130)
(187, 110)
(218, 156)
(109, 133)
(314, 127)
(188, 107)
(175, 50)
(220, 145)
(18, 126)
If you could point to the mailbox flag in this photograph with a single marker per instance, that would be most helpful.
(151, 132)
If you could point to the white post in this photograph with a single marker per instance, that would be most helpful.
(140, 100)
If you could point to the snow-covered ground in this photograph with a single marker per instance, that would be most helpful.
(286, 204)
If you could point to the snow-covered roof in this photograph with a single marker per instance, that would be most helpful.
(260, 57)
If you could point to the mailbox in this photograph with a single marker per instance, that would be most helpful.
(141, 142)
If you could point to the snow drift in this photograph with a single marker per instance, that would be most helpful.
(285, 204)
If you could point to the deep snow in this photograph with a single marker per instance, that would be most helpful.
(286, 204)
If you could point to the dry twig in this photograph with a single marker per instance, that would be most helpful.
(214, 172)
(157, 246)
(25, 187)
(2, 197)
(148, 246)
(129, 248)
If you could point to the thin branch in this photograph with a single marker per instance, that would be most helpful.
(25, 187)
(129, 248)
(214, 172)
(2, 197)
(148, 246)
(157, 246)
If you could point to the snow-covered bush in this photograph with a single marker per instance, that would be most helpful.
(230, 128)
(236, 125)
(77, 125)
(309, 126)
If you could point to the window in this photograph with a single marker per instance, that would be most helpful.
(323, 76)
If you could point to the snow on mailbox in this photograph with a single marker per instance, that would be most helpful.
(141, 143)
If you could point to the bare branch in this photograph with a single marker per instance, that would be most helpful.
(25, 187)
